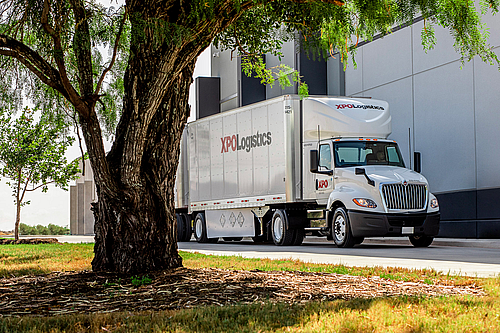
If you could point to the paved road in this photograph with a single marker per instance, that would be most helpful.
(443, 257)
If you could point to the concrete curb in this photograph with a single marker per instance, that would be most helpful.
(456, 242)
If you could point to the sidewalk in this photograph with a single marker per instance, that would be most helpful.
(457, 242)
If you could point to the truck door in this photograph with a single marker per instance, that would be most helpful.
(324, 183)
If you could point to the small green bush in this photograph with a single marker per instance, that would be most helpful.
(51, 229)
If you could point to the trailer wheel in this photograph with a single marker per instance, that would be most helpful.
(200, 230)
(282, 235)
(421, 241)
(183, 228)
(341, 229)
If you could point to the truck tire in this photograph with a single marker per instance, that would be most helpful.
(183, 228)
(200, 230)
(281, 234)
(341, 229)
(421, 241)
(298, 237)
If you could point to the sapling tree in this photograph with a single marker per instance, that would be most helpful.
(32, 155)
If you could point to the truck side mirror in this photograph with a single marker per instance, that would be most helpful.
(313, 161)
(417, 162)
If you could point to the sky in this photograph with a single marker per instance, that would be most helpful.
(53, 206)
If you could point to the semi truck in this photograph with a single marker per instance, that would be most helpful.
(287, 167)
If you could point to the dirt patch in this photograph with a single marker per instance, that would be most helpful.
(84, 292)
(29, 241)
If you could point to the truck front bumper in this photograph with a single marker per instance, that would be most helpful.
(365, 224)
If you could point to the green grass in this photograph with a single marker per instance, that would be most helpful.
(399, 314)
(29, 259)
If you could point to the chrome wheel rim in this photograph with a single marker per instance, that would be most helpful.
(198, 228)
(278, 228)
(339, 228)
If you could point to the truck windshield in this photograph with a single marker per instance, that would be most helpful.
(360, 153)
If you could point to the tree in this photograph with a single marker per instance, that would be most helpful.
(50, 45)
(32, 156)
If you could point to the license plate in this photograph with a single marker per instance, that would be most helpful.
(407, 230)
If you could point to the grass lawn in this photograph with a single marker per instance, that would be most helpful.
(385, 314)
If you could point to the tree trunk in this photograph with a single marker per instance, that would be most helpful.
(18, 220)
(136, 231)
(18, 206)
(135, 222)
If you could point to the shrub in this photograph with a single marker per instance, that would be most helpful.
(51, 229)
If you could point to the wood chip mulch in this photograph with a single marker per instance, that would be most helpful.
(85, 292)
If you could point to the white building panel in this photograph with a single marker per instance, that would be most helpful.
(487, 99)
(442, 53)
(354, 76)
(493, 26)
(387, 59)
(399, 96)
(444, 127)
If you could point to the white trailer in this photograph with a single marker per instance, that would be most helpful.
(284, 168)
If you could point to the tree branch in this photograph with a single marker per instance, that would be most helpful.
(115, 51)
(36, 188)
(33, 61)
(25, 189)
(72, 94)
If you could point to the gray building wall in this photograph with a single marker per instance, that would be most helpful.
(82, 194)
(448, 113)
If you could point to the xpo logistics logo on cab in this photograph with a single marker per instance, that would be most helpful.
(233, 142)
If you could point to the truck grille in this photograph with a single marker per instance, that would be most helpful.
(399, 196)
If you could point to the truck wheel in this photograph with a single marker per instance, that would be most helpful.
(282, 235)
(183, 228)
(421, 241)
(341, 229)
(298, 238)
(200, 230)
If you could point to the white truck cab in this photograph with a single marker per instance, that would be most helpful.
(370, 192)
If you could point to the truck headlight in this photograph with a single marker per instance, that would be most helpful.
(434, 203)
(368, 203)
